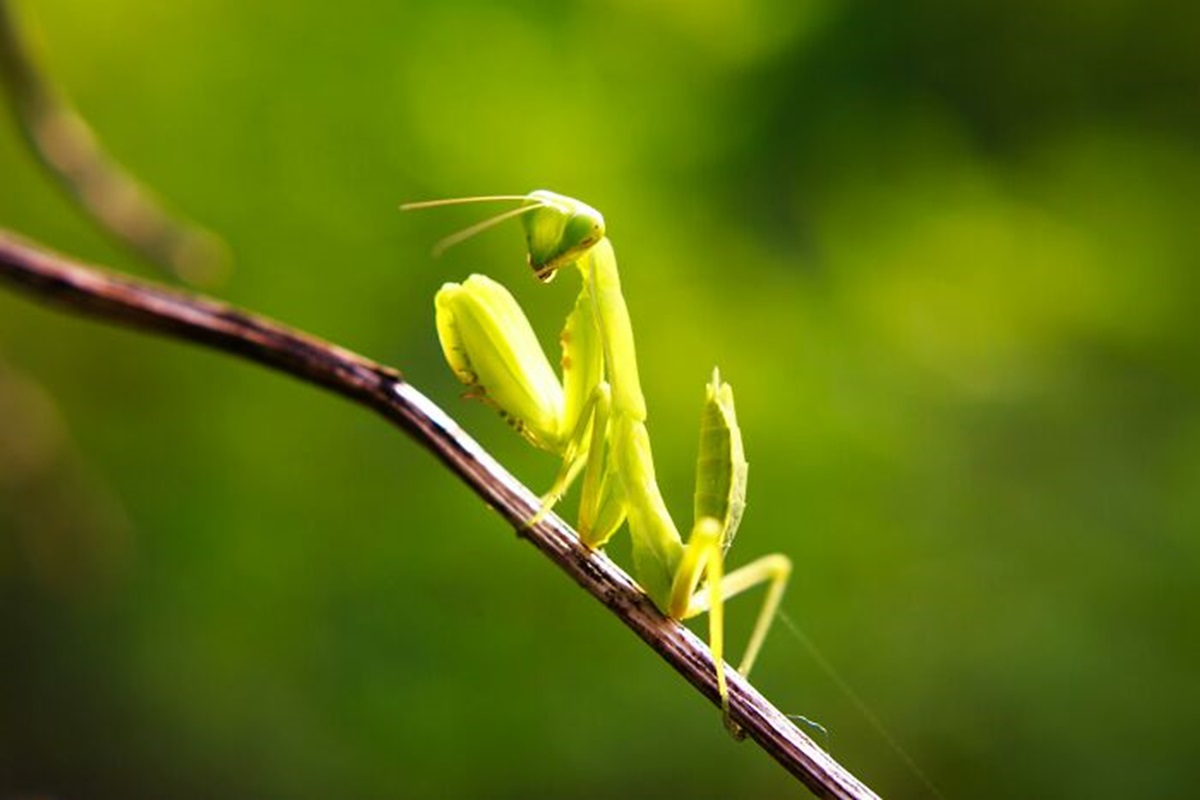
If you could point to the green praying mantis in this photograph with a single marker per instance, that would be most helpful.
(594, 418)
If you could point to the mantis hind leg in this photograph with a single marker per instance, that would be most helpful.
(774, 570)
(704, 558)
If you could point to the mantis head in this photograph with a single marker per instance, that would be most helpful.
(558, 229)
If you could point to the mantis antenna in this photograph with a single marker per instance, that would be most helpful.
(466, 233)
(461, 201)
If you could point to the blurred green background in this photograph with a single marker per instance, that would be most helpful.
(946, 254)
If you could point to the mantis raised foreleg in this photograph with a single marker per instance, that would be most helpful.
(595, 419)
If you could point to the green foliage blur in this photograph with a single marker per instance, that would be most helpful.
(946, 253)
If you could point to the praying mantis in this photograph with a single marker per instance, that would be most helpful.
(594, 418)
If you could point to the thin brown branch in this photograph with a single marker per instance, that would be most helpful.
(80, 289)
(107, 193)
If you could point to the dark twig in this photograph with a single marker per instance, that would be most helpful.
(84, 290)
(107, 193)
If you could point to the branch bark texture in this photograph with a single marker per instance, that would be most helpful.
(85, 290)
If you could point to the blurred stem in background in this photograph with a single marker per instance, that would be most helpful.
(70, 533)
(108, 194)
